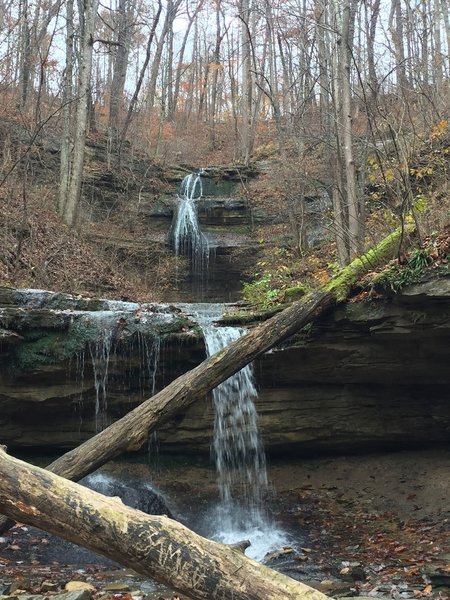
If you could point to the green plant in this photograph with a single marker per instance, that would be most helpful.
(260, 293)
(398, 276)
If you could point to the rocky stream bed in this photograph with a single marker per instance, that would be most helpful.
(370, 526)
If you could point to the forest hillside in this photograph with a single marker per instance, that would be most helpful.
(105, 108)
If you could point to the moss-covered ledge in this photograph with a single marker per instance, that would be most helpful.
(45, 336)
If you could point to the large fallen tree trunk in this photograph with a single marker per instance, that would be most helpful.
(132, 431)
(156, 547)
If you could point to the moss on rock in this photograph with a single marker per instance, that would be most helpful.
(294, 293)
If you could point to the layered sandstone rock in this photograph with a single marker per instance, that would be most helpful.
(372, 374)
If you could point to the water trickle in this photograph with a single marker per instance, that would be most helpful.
(100, 351)
(188, 239)
(150, 352)
(79, 378)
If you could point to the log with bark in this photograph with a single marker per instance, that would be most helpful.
(131, 431)
(154, 546)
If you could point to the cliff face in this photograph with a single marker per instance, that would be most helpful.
(372, 374)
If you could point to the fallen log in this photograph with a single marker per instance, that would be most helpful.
(131, 431)
(154, 546)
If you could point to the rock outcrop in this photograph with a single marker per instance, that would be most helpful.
(372, 374)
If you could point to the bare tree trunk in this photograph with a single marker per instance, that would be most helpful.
(371, 34)
(194, 70)
(244, 13)
(140, 80)
(81, 114)
(215, 76)
(355, 218)
(172, 8)
(154, 546)
(233, 92)
(437, 49)
(179, 70)
(340, 206)
(24, 52)
(273, 83)
(124, 34)
(204, 82)
(168, 87)
(399, 45)
(66, 141)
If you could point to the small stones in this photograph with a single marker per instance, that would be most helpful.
(20, 585)
(352, 572)
(85, 594)
(438, 575)
(75, 586)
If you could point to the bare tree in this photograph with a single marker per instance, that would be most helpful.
(181, 68)
(67, 111)
(246, 95)
(80, 121)
(355, 204)
(124, 31)
(141, 77)
(171, 13)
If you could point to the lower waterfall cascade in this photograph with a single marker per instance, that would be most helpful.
(237, 449)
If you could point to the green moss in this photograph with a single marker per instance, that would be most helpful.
(294, 293)
(179, 325)
(260, 294)
(40, 348)
(398, 276)
(245, 317)
(341, 285)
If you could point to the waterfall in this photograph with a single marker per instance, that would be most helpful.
(237, 448)
(188, 239)
(238, 453)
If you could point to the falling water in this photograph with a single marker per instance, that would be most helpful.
(149, 357)
(100, 352)
(238, 452)
(103, 331)
(188, 239)
(79, 377)
(237, 448)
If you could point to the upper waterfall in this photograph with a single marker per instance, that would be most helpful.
(187, 237)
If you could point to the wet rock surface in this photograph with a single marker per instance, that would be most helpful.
(370, 375)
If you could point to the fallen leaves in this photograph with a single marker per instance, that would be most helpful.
(427, 591)
(394, 554)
